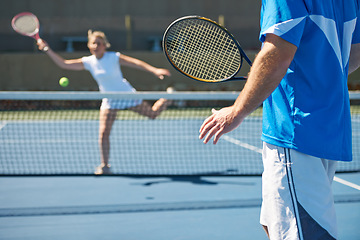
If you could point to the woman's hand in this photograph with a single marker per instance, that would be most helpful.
(42, 45)
(161, 73)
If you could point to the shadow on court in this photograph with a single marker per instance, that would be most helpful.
(191, 179)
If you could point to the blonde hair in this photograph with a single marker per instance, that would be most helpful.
(99, 34)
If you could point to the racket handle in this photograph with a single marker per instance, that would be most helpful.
(36, 36)
(238, 78)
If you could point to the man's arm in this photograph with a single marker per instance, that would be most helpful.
(268, 69)
(354, 61)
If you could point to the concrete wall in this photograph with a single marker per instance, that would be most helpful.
(35, 72)
(59, 18)
(22, 67)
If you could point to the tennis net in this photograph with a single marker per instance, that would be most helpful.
(56, 133)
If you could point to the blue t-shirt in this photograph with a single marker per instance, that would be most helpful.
(310, 111)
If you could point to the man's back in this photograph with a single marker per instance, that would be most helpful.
(311, 104)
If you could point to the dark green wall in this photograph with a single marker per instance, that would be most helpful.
(61, 18)
(22, 67)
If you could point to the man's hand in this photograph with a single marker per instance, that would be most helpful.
(219, 123)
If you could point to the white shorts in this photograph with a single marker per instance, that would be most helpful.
(297, 196)
(119, 103)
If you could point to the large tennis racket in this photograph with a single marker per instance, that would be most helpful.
(26, 24)
(203, 50)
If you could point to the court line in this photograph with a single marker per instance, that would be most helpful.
(242, 144)
(347, 183)
(3, 124)
(129, 208)
(258, 150)
(147, 207)
(48, 141)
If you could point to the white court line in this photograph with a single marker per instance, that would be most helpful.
(349, 184)
(3, 124)
(242, 144)
(258, 150)
(42, 141)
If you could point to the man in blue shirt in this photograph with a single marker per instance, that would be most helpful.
(300, 76)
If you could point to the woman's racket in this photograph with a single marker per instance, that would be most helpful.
(203, 50)
(26, 24)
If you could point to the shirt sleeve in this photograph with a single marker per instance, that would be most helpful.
(356, 34)
(283, 18)
(86, 62)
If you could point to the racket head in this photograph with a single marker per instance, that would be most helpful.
(27, 24)
(201, 49)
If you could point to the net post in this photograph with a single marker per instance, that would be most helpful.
(128, 28)
(221, 20)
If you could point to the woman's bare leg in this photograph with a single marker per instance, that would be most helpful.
(266, 231)
(107, 118)
(151, 111)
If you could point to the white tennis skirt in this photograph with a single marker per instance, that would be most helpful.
(119, 103)
(124, 86)
(297, 195)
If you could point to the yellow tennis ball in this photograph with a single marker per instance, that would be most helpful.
(64, 81)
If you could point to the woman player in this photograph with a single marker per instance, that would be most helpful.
(104, 66)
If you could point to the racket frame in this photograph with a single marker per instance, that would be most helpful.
(34, 34)
(242, 53)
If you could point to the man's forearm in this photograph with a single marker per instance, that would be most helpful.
(268, 69)
(354, 61)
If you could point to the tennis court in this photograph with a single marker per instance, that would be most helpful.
(167, 183)
(147, 208)
(76, 152)
(51, 133)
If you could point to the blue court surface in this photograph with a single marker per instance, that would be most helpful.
(163, 146)
(139, 147)
(161, 208)
(141, 208)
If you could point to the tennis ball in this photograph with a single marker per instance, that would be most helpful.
(64, 81)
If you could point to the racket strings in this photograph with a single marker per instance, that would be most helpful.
(223, 58)
(203, 50)
(213, 57)
(196, 44)
(26, 24)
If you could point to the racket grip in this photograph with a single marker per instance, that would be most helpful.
(238, 78)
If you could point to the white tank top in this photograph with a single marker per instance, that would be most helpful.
(107, 73)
